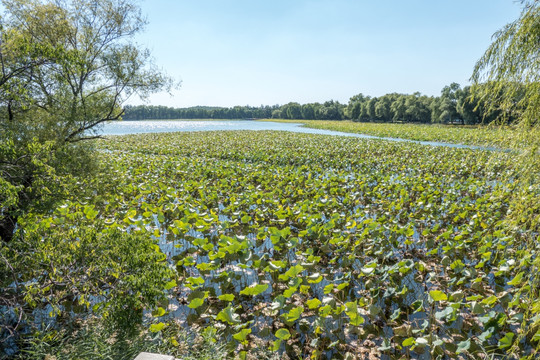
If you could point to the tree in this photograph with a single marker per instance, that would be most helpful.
(294, 111)
(417, 108)
(470, 110)
(398, 108)
(507, 80)
(67, 68)
(370, 109)
(383, 108)
(330, 110)
(510, 68)
(308, 112)
(353, 109)
(277, 114)
(448, 104)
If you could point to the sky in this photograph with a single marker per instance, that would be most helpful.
(267, 52)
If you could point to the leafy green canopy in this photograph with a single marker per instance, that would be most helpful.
(66, 68)
(510, 71)
(510, 67)
(94, 68)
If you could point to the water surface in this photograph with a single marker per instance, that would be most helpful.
(158, 126)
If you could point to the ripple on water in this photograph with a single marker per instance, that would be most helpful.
(159, 126)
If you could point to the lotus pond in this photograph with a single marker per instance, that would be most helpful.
(490, 136)
(327, 247)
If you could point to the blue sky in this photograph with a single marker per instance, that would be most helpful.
(253, 52)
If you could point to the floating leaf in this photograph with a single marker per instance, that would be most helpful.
(226, 297)
(157, 327)
(408, 342)
(196, 303)
(254, 290)
(171, 284)
(227, 315)
(403, 330)
(315, 278)
(506, 341)
(294, 314)
(438, 295)
(517, 280)
(463, 346)
(283, 334)
(418, 305)
(292, 272)
(242, 336)
(328, 288)
(313, 303)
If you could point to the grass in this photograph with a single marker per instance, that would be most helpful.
(93, 340)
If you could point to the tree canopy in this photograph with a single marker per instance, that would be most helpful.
(509, 71)
(455, 105)
(66, 68)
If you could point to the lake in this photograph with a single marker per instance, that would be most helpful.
(158, 126)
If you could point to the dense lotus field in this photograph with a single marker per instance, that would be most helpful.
(491, 136)
(327, 247)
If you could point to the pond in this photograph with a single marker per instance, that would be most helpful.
(159, 126)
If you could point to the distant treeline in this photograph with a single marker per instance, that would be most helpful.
(454, 105)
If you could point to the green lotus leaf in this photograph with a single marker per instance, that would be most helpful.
(313, 303)
(254, 290)
(242, 336)
(506, 341)
(408, 342)
(228, 316)
(226, 297)
(283, 334)
(196, 303)
(438, 295)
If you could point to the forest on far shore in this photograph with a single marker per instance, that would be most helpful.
(455, 105)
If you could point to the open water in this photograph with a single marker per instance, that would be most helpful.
(158, 126)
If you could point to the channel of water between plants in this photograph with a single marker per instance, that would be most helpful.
(159, 126)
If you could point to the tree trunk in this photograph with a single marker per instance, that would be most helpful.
(7, 227)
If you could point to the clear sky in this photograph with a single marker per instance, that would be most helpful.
(253, 52)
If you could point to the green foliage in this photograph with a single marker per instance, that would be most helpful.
(329, 110)
(84, 269)
(507, 79)
(92, 340)
(254, 290)
(67, 68)
(345, 238)
(228, 316)
(455, 105)
(360, 234)
(437, 295)
(283, 334)
(481, 135)
(331, 241)
(509, 71)
(8, 195)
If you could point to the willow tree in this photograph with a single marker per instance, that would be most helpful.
(508, 75)
(67, 68)
(507, 82)
(507, 79)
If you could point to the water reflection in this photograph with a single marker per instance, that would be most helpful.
(159, 126)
